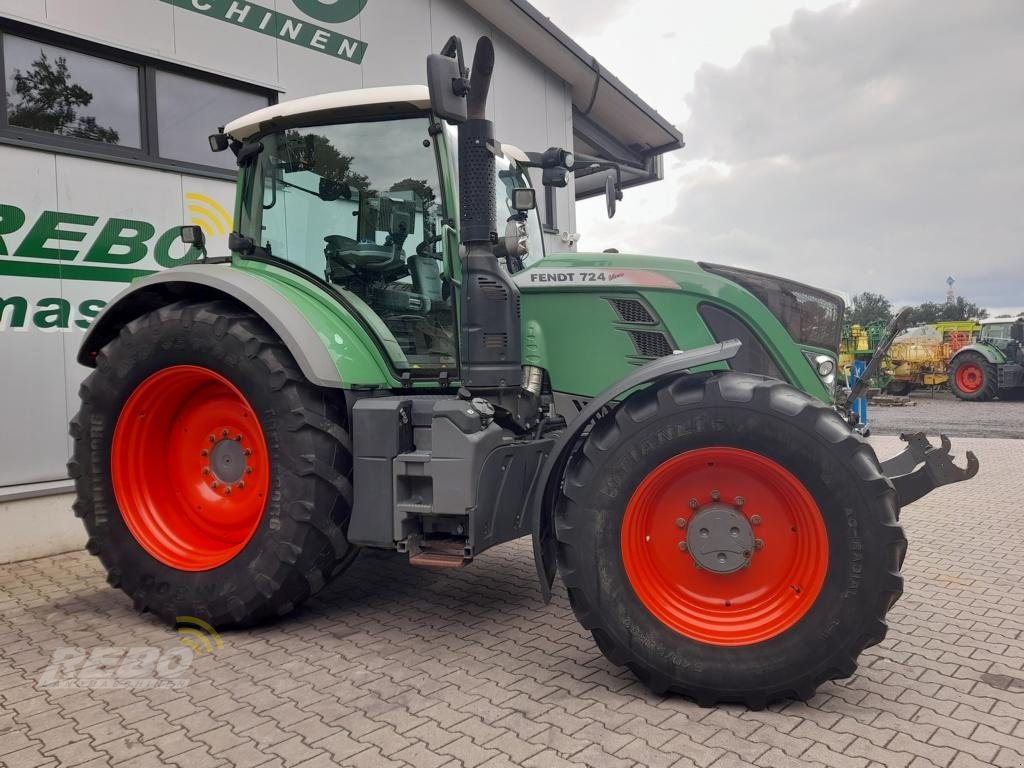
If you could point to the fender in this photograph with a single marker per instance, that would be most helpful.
(987, 351)
(321, 356)
(543, 504)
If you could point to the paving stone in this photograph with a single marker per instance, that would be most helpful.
(393, 665)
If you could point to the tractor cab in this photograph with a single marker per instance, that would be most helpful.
(1002, 333)
(355, 188)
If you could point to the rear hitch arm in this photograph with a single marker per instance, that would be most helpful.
(920, 468)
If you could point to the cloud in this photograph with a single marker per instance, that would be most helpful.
(870, 146)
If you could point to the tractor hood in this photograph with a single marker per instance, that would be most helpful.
(597, 270)
(811, 316)
(626, 309)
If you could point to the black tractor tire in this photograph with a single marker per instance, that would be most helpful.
(960, 386)
(898, 388)
(298, 540)
(857, 503)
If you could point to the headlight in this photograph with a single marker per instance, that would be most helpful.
(825, 367)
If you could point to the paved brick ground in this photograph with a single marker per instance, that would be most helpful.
(394, 665)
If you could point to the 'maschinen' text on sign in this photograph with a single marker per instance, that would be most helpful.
(276, 24)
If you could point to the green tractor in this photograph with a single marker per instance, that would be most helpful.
(377, 364)
(993, 366)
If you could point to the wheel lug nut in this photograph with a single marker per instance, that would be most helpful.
(758, 544)
(715, 495)
(214, 484)
(238, 438)
(223, 433)
(227, 491)
(212, 439)
(740, 501)
(241, 483)
(247, 452)
(755, 520)
(206, 470)
(682, 546)
(248, 470)
(681, 522)
(693, 504)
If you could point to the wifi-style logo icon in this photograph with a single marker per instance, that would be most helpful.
(198, 635)
(208, 214)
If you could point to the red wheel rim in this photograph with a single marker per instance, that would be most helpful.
(764, 599)
(970, 377)
(189, 467)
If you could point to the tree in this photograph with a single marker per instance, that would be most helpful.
(49, 101)
(868, 307)
(935, 312)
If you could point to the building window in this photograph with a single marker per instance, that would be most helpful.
(187, 112)
(84, 98)
(72, 94)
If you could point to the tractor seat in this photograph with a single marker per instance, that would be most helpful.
(368, 257)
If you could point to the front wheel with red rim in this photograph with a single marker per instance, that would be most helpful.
(741, 561)
(729, 538)
(213, 479)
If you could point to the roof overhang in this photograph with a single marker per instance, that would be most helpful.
(609, 120)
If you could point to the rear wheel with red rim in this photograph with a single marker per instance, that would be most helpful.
(729, 538)
(213, 479)
(972, 377)
(190, 468)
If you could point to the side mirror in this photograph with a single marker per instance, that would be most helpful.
(193, 236)
(448, 83)
(612, 194)
(524, 200)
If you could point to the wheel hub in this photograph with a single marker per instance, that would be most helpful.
(227, 460)
(721, 539)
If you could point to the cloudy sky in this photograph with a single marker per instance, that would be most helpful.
(873, 145)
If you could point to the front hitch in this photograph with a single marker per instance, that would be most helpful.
(920, 468)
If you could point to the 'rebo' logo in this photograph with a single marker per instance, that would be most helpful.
(331, 11)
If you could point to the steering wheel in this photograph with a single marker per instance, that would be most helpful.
(364, 257)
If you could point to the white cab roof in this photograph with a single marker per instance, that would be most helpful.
(414, 95)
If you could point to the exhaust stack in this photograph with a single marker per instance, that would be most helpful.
(490, 328)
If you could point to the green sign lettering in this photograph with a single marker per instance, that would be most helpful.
(47, 228)
(267, 21)
(331, 11)
(162, 252)
(16, 318)
(52, 313)
(11, 220)
(88, 310)
(115, 235)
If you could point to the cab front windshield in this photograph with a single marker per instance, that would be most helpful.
(360, 205)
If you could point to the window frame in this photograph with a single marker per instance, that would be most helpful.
(447, 190)
(148, 154)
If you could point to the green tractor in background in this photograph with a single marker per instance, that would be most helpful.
(378, 364)
(993, 366)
